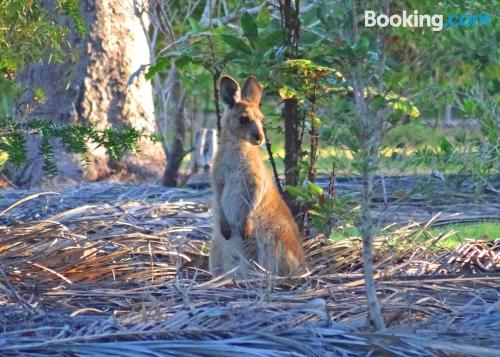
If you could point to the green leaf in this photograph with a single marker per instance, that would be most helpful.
(444, 145)
(316, 213)
(287, 93)
(315, 189)
(71, 8)
(271, 40)
(469, 106)
(249, 28)
(361, 46)
(195, 26)
(299, 193)
(161, 65)
(182, 62)
(263, 18)
(297, 63)
(406, 107)
(325, 134)
(39, 95)
(4, 156)
(378, 102)
(414, 113)
(236, 43)
(316, 121)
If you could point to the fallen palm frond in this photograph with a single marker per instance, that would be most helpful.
(129, 277)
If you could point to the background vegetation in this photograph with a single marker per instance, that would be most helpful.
(341, 99)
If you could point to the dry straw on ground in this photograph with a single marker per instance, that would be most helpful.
(121, 270)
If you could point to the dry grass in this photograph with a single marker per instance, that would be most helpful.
(121, 270)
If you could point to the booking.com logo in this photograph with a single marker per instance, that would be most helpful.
(435, 22)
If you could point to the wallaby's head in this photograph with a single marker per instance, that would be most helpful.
(244, 120)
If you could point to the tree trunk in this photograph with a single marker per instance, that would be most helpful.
(370, 126)
(176, 152)
(290, 112)
(202, 158)
(290, 115)
(374, 313)
(174, 114)
(92, 89)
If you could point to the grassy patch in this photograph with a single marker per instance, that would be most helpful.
(456, 233)
(398, 154)
(345, 232)
(461, 232)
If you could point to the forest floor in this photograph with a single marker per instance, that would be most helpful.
(121, 269)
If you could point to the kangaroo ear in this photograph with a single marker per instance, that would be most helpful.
(252, 91)
(229, 91)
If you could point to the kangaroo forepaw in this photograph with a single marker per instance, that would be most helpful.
(247, 230)
(226, 231)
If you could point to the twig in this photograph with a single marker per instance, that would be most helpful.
(9, 182)
(21, 201)
(215, 80)
(313, 133)
(384, 191)
(231, 17)
(14, 292)
(215, 77)
(271, 160)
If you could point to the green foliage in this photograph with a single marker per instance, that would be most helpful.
(249, 27)
(252, 49)
(71, 8)
(12, 143)
(77, 139)
(406, 74)
(28, 33)
(317, 78)
(325, 211)
(457, 234)
(461, 232)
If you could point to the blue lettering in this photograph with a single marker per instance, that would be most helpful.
(451, 21)
(465, 20)
(481, 20)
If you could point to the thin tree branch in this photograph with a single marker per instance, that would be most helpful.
(271, 160)
(370, 139)
(231, 17)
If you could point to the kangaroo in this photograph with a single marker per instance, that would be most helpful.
(252, 221)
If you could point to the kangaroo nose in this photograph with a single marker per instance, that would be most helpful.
(257, 137)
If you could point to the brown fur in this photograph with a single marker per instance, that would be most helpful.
(252, 222)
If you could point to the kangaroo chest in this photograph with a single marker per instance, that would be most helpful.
(243, 187)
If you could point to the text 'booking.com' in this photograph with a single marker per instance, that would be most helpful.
(436, 22)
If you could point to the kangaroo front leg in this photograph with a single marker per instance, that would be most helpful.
(247, 228)
(224, 227)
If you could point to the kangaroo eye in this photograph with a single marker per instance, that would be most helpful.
(244, 120)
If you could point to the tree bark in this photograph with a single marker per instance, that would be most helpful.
(174, 114)
(374, 312)
(290, 112)
(313, 135)
(176, 153)
(290, 115)
(370, 125)
(92, 89)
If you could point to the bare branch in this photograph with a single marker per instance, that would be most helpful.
(233, 16)
(206, 16)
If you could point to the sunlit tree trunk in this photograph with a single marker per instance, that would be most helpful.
(90, 86)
